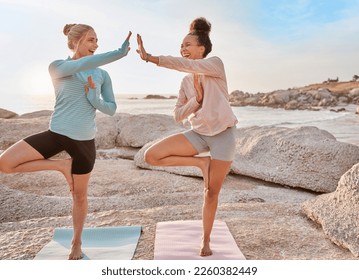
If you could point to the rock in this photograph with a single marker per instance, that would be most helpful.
(337, 212)
(120, 194)
(117, 153)
(106, 131)
(354, 93)
(138, 130)
(5, 114)
(304, 157)
(281, 96)
(156, 96)
(20, 128)
(42, 113)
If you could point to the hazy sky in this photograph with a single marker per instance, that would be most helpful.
(264, 44)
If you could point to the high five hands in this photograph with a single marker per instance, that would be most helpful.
(141, 50)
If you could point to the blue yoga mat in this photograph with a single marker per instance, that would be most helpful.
(104, 243)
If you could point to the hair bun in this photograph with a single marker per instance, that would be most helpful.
(200, 25)
(68, 27)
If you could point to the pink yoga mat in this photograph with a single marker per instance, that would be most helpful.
(180, 240)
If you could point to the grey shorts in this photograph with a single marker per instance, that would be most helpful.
(221, 146)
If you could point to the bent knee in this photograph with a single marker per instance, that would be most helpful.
(150, 157)
(4, 166)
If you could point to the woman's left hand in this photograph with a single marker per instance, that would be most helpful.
(90, 84)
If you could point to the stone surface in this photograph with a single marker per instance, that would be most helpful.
(337, 212)
(304, 157)
(265, 219)
(6, 114)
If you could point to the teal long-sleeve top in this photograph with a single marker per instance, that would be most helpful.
(75, 112)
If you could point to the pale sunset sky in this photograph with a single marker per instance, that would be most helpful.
(265, 44)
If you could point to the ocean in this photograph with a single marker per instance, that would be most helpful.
(343, 125)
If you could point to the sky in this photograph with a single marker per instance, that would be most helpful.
(265, 45)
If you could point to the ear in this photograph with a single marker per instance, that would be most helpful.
(202, 50)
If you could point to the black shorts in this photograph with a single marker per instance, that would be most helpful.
(48, 144)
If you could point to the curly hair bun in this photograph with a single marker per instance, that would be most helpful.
(67, 28)
(200, 25)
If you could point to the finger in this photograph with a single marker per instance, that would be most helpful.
(129, 35)
(89, 80)
(139, 39)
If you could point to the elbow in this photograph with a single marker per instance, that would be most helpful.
(177, 118)
(112, 110)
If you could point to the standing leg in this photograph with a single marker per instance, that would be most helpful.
(218, 171)
(79, 212)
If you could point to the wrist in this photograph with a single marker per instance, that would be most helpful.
(148, 55)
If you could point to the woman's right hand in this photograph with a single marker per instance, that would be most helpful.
(141, 50)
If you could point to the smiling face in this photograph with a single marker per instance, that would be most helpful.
(87, 45)
(190, 48)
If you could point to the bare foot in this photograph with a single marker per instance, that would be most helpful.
(205, 250)
(66, 166)
(205, 163)
(76, 252)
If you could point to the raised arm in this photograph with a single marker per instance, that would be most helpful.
(63, 68)
(209, 66)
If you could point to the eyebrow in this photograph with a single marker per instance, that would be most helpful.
(92, 38)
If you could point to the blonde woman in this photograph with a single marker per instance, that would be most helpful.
(80, 88)
(203, 100)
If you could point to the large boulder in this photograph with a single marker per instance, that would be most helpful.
(6, 114)
(337, 212)
(106, 131)
(304, 157)
(126, 130)
(138, 130)
(15, 129)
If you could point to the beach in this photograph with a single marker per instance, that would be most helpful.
(265, 218)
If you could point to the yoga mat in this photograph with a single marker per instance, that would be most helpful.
(180, 240)
(103, 243)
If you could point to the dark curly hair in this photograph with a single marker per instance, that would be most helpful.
(201, 28)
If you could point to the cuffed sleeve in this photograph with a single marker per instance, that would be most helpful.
(107, 103)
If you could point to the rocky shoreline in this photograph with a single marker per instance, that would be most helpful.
(286, 196)
(312, 97)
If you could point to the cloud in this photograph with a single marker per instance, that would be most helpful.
(265, 44)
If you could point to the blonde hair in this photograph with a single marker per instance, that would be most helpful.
(74, 33)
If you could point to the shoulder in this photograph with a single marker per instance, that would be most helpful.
(102, 72)
(57, 63)
(215, 59)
